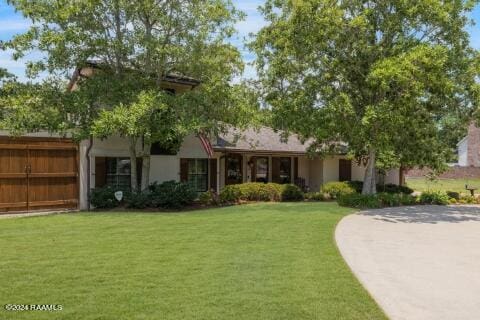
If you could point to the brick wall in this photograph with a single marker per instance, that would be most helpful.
(473, 146)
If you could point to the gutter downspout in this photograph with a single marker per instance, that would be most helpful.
(87, 155)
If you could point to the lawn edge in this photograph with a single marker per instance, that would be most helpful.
(350, 268)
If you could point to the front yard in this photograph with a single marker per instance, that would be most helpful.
(456, 185)
(260, 261)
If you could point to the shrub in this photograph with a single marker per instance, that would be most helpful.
(138, 200)
(453, 195)
(357, 185)
(291, 193)
(316, 196)
(230, 194)
(171, 194)
(379, 200)
(356, 200)
(467, 200)
(433, 197)
(336, 189)
(257, 191)
(103, 198)
(394, 188)
(208, 198)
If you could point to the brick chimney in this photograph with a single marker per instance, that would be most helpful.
(473, 146)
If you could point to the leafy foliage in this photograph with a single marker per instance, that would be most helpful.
(434, 197)
(291, 192)
(380, 200)
(394, 188)
(171, 194)
(383, 76)
(336, 189)
(256, 191)
(103, 198)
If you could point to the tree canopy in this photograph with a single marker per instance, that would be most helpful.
(136, 45)
(378, 75)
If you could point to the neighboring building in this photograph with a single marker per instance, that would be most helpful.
(43, 172)
(469, 148)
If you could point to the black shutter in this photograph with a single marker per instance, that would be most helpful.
(213, 174)
(276, 170)
(183, 170)
(100, 171)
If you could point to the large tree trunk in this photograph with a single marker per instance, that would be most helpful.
(369, 182)
(133, 165)
(146, 165)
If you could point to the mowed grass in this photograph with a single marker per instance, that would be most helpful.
(260, 261)
(457, 185)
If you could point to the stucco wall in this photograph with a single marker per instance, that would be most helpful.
(316, 174)
(330, 169)
(304, 169)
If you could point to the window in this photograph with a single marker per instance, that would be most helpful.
(118, 173)
(285, 170)
(198, 174)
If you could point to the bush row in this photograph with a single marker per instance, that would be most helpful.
(381, 200)
(169, 195)
(256, 191)
(378, 200)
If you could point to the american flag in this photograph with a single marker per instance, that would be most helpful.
(207, 146)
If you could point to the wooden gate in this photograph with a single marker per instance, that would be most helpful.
(38, 174)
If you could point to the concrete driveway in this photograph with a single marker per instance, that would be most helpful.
(417, 262)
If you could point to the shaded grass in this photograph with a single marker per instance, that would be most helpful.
(457, 185)
(260, 261)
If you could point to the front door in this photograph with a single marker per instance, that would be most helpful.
(233, 169)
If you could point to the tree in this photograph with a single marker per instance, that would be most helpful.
(377, 75)
(137, 44)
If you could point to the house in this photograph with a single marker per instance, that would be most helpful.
(468, 148)
(39, 171)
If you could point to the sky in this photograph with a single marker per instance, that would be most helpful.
(12, 23)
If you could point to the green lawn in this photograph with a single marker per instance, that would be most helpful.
(457, 185)
(260, 261)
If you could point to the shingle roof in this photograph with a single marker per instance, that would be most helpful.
(263, 139)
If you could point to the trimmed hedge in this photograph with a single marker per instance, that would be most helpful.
(257, 191)
(171, 195)
(379, 200)
(434, 197)
(316, 196)
(394, 188)
(337, 189)
(103, 198)
(291, 192)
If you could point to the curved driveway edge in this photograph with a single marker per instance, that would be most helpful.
(419, 262)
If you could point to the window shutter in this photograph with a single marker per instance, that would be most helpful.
(295, 169)
(183, 170)
(213, 174)
(100, 172)
(275, 169)
(139, 171)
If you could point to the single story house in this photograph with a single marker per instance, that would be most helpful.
(43, 172)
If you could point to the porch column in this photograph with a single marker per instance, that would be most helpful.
(270, 163)
(292, 170)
